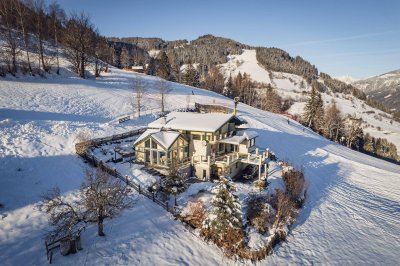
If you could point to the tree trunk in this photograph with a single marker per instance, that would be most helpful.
(100, 226)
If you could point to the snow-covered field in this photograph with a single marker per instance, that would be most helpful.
(352, 214)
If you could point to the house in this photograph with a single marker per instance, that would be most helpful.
(210, 143)
(138, 69)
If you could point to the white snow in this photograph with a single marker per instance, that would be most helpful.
(346, 79)
(245, 63)
(351, 215)
(240, 136)
(192, 121)
(166, 138)
(154, 53)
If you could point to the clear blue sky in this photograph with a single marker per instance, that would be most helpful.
(360, 38)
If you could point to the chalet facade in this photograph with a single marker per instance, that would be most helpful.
(210, 143)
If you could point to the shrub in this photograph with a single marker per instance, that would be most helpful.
(261, 184)
(258, 214)
(285, 209)
(194, 213)
(295, 185)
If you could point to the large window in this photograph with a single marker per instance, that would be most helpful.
(147, 143)
(196, 137)
(252, 142)
(153, 145)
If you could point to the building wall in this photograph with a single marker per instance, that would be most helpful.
(200, 169)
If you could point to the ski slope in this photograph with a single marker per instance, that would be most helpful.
(351, 216)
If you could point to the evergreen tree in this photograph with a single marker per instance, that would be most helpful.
(226, 216)
(314, 110)
(174, 183)
(228, 90)
(151, 67)
(214, 80)
(125, 58)
(354, 133)
(333, 123)
(164, 68)
(190, 76)
(272, 101)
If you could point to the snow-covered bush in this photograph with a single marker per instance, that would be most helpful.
(83, 141)
(194, 213)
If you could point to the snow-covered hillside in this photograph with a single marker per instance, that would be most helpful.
(346, 79)
(376, 122)
(383, 88)
(352, 214)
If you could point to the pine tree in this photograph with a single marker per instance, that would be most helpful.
(151, 67)
(333, 123)
(174, 183)
(314, 110)
(228, 90)
(191, 76)
(125, 58)
(272, 101)
(164, 68)
(354, 133)
(226, 217)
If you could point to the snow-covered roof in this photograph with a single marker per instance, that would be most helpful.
(240, 137)
(164, 138)
(145, 134)
(137, 67)
(208, 122)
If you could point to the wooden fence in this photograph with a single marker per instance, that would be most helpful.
(82, 148)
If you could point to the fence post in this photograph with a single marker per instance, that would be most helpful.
(166, 205)
(153, 196)
(139, 190)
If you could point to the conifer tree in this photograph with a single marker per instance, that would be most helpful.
(228, 90)
(191, 76)
(226, 217)
(164, 68)
(125, 58)
(272, 101)
(354, 133)
(174, 183)
(314, 110)
(151, 68)
(333, 123)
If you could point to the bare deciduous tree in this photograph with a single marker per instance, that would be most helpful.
(139, 93)
(104, 197)
(23, 13)
(101, 197)
(163, 90)
(40, 24)
(78, 41)
(57, 16)
(9, 35)
(65, 216)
